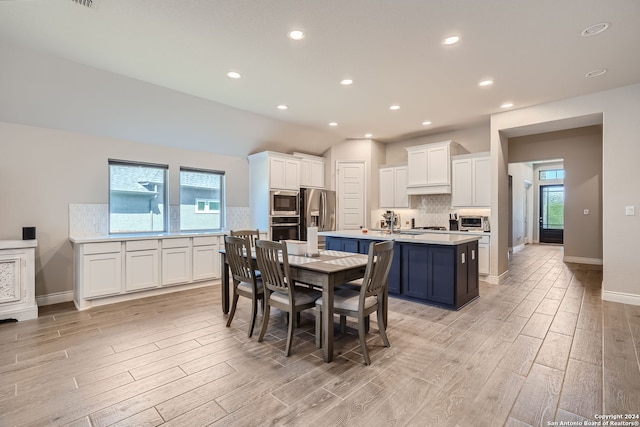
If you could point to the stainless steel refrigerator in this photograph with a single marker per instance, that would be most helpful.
(317, 207)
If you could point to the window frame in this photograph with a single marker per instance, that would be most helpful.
(222, 201)
(165, 194)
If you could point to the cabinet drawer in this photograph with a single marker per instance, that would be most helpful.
(205, 240)
(101, 248)
(141, 245)
(182, 242)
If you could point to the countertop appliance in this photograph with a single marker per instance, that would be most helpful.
(283, 203)
(317, 208)
(391, 221)
(474, 223)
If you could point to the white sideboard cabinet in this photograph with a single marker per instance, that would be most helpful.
(17, 280)
(114, 269)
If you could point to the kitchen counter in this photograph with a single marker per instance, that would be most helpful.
(145, 236)
(416, 236)
(438, 268)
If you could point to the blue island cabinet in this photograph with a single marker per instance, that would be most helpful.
(444, 275)
(361, 246)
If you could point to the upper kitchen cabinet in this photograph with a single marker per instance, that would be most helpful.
(311, 170)
(393, 187)
(279, 171)
(471, 180)
(429, 168)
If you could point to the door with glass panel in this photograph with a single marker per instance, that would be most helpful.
(551, 214)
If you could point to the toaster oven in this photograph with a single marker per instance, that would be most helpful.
(474, 223)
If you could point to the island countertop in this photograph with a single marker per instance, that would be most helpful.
(423, 238)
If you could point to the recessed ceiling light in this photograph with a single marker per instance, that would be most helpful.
(595, 29)
(296, 34)
(451, 40)
(485, 83)
(596, 73)
(394, 107)
(368, 135)
(346, 82)
(426, 123)
(334, 124)
(283, 107)
(234, 75)
(506, 105)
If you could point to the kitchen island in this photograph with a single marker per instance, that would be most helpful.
(433, 268)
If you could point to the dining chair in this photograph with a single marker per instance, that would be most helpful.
(245, 281)
(252, 235)
(368, 299)
(280, 290)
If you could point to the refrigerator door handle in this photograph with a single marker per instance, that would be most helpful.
(323, 202)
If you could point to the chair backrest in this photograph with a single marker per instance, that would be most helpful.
(238, 252)
(273, 265)
(376, 275)
(252, 235)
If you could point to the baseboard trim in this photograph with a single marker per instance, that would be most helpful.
(55, 298)
(582, 260)
(621, 297)
(496, 280)
(518, 248)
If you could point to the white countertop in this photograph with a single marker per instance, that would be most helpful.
(138, 236)
(436, 238)
(18, 244)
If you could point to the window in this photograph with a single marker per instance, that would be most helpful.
(137, 197)
(201, 199)
(546, 175)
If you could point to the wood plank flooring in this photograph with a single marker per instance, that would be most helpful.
(540, 347)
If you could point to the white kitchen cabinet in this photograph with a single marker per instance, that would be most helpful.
(429, 168)
(142, 265)
(176, 261)
(206, 257)
(100, 267)
(311, 170)
(393, 187)
(284, 173)
(484, 255)
(471, 180)
(17, 280)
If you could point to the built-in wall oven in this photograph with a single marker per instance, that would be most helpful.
(284, 227)
(283, 203)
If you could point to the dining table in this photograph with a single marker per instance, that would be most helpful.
(326, 271)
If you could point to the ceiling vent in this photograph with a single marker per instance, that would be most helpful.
(87, 3)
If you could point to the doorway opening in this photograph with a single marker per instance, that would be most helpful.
(551, 214)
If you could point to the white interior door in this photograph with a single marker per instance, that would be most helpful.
(351, 195)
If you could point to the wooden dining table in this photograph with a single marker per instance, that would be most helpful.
(325, 272)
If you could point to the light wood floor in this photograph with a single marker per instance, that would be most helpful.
(542, 346)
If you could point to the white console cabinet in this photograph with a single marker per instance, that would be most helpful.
(114, 269)
(17, 280)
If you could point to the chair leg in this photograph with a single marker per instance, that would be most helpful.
(363, 343)
(287, 349)
(254, 310)
(343, 324)
(265, 322)
(318, 326)
(233, 309)
(382, 326)
(367, 323)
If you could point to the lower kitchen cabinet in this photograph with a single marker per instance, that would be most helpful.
(445, 275)
(176, 261)
(206, 258)
(100, 267)
(142, 265)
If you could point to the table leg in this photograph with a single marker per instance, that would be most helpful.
(327, 321)
(224, 270)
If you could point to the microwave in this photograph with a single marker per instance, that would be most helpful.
(474, 223)
(283, 203)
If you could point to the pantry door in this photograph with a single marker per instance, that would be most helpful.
(351, 195)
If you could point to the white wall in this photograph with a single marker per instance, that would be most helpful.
(620, 109)
(522, 209)
(42, 171)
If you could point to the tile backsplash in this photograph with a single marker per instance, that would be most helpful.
(427, 210)
(93, 219)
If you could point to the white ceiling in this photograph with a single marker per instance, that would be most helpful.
(391, 49)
